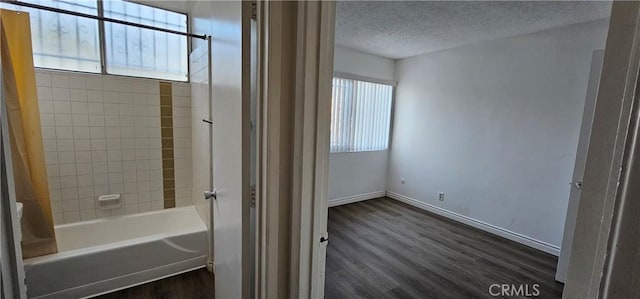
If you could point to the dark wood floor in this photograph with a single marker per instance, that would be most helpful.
(190, 285)
(383, 248)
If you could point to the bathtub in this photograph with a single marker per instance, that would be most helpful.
(105, 255)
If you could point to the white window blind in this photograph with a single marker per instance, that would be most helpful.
(360, 115)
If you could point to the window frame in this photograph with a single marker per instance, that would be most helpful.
(392, 83)
(103, 45)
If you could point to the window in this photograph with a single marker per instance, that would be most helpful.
(67, 42)
(360, 115)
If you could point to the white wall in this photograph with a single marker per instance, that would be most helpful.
(495, 126)
(359, 175)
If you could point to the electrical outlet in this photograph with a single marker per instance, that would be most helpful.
(441, 196)
(403, 181)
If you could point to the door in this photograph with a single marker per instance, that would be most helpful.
(230, 144)
(578, 170)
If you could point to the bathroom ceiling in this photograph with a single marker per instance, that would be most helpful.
(400, 29)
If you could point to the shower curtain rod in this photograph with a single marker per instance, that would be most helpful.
(79, 14)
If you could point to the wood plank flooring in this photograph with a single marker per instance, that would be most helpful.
(383, 248)
(190, 285)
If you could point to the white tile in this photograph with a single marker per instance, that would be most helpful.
(109, 83)
(43, 78)
(143, 196)
(44, 93)
(95, 96)
(128, 155)
(110, 97)
(66, 157)
(96, 120)
(112, 120)
(51, 157)
(80, 120)
(56, 207)
(114, 144)
(69, 193)
(79, 108)
(126, 109)
(45, 106)
(114, 165)
(52, 170)
(68, 169)
(82, 144)
(98, 155)
(142, 154)
(61, 107)
(116, 178)
(85, 192)
(157, 205)
(65, 145)
(48, 132)
(87, 203)
(60, 94)
(131, 209)
(58, 218)
(116, 188)
(62, 120)
(71, 216)
(70, 205)
(113, 132)
(55, 195)
(78, 81)
(97, 132)
(78, 95)
(130, 187)
(126, 98)
(85, 180)
(87, 214)
(64, 132)
(98, 145)
(111, 108)
(99, 168)
(54, 183)
(50, 144)
(59, 80)
(144, 206)
(101, 188)
(96, 108)
(83, 157)
(84, 168)
(103, 213)
(94, 82)
(68, 181)
(47, 120)
(139, 86)
(81, 132)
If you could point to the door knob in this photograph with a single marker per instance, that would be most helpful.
(210, 194)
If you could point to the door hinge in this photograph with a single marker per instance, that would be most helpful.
(252, 190)
(254, 10)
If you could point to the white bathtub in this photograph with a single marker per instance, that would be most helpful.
(105, 255)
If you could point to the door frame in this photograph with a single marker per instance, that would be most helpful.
(295, 70)
(599, 225)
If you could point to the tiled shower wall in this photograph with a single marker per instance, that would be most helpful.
(102, 136)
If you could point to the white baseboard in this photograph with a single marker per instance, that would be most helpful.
(356, 198)
(522, 239)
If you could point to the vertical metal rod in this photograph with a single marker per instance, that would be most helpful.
(210, 260)
(102, 38)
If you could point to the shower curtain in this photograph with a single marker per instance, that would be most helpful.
(30, 174)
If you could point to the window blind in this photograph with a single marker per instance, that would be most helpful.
(360, 115)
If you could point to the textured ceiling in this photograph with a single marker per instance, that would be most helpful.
(399, 29)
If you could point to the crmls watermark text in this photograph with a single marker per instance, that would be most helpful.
(513, 290)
